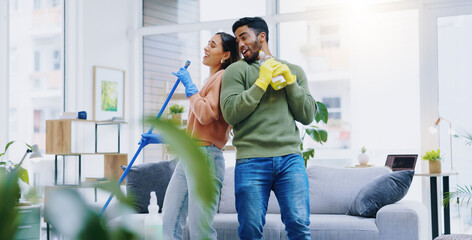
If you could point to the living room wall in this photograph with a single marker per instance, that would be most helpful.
(97, 35)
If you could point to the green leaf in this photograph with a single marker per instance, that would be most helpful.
(319, 135)
(9, 193)
(29, 146)
(189, 152)
(463, 194)
(322, 113)
(310, 152)
(8, 145)
(23, 175)
(323, 135)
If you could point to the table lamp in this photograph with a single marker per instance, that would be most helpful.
(434, 129)
(35, 153)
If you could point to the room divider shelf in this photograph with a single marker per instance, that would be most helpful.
(72, 137)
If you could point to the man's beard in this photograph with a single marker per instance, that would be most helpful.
(253, 58)
(255, 54)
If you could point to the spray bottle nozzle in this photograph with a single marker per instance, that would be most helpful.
(153, 200)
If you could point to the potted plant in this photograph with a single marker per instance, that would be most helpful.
(434, 158)
(317, 134)
(9, 166)
(10, 175)
(362, 157)
(176, 113)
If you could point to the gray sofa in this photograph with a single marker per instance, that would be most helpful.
(332, 191)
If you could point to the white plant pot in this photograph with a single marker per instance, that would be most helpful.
(363, 159)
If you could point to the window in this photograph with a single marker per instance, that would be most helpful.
(343, 56)
(288, 6)
(333, 104)
(454, 35)
(37, 60)
(162, 12)
(38, 119)
(35, 82)
(344, 60)
(13, 5)
(56, 59)
(37, 4)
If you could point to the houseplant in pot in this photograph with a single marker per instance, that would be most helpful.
(362, 157)
(315, 132)
(176, 113)
(434, 158)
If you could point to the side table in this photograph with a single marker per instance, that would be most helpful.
(433, 186)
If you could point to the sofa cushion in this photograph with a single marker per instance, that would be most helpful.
(145, 178)
(227, 201)
(332, 190)
(383, 190)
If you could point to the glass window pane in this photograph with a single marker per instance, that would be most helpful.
(289, 6)
(35, 74)
(162, 12)
(454, 58)
(366, 69)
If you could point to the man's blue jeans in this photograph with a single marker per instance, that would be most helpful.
(254, 178)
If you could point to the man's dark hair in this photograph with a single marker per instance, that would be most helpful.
(229, 44)
(256, 23)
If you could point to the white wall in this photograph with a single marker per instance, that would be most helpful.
(97, 34)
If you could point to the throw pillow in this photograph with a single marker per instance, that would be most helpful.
(145, 178)
(383, 190)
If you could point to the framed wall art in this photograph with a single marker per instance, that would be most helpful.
(108, 93)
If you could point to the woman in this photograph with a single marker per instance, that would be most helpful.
(205, 123)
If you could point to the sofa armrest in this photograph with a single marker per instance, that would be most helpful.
(404, 220)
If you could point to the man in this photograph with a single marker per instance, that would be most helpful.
(265, 134)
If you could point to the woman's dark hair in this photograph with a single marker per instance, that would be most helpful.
(229, 44)
(256, 23)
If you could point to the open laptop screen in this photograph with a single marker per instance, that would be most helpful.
(401, 162)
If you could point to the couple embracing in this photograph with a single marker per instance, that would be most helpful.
(240, 93)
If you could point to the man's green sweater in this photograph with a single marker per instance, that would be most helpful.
(264, 121)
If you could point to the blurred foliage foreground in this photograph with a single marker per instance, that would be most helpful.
(73, 218)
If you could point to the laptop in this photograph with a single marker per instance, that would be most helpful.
(400, 162)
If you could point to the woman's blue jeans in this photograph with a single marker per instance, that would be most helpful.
(181, 201)
(254, 178)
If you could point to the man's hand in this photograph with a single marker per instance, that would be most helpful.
(282, 69)
(265, 74)
(147, 138)
(184, 77)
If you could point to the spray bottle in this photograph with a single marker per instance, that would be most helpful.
(153, 222)
(278, 82)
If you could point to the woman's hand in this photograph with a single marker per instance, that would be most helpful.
(184, 77)
(147, 138)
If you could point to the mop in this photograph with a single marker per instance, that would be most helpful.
(141, 145)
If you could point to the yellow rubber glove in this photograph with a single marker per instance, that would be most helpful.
(265, 74)
(278, 80)
(282, 69)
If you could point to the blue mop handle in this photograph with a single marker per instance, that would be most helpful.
(168, 97)
(141, 145)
